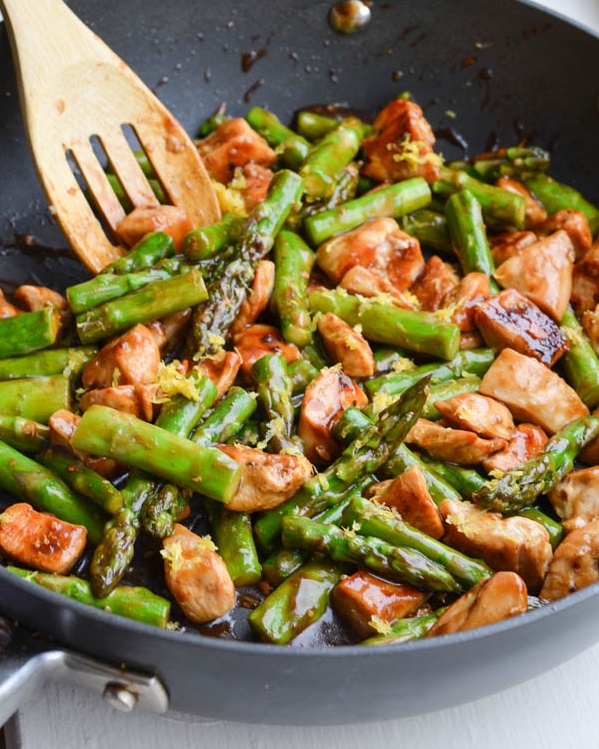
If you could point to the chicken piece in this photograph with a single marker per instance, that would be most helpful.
(543, 273)
(378, 245)
(576, 498)
(510, 320)
(500, 597)
(485, 416)
(453, 445)
(32, 298)
(222, 369)
(515, 544)
(590, 323)
(258, 340)
(130, 359)
(359, 280)
(527, 442)
(39, 540)
(435, 283)
(234, 144)
(532, 392)
(576, 226)
(471, 290)
(329, 394)
(197, 576)
(535, 211)
(144, 219)
(585, 290)
(575, 564)
(362, 600)
(401, 145)
(470, 340)
(130, 399)
(346, 346)
(267, 480)
(6, 308)
(62, 425)
(256, 181)
(509, 243)
(409, 495)
(169, 332)
(257, 300)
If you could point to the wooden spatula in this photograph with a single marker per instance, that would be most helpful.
(73, 87)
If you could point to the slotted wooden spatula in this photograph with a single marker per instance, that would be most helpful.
(73, 88)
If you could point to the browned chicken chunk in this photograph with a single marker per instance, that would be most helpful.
(500, 597)
(485, 416)
(527, 442)
(543, 273)
(576, 498)
(471, 290)
(409, 495)
(435, 283)
(257, 300)
(359, 280)
(32, 298)
(346, 346)
(378, 245)
(131, 399)
(516, 544)
(509, 243)
(233, 144)
(510, 320)
(222, 369)
(575, 563)
(197, 576)
(6, 308)
(362, 600)
(167, 218)
(170, 331)
(585, 281)
(255, 184)
(535, 211)
(39, 540)
(576, 226)
(256, 341)
(401, 145)
(590, 323)
(62, 425)
(329, 394)
(453, 445)
(527, 387)
(267, 479)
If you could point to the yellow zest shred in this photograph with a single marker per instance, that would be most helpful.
(413, 152)
(445, 314)
(171, 381)
(403, 365)
(381, 401)
(172, 554)
(381, 626)
(230, 201)
(116, 373)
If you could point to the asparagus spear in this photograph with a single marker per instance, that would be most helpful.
(33, 483)
(292, 147)
(314, 126)
(210, 124)
(405, 630)
(521, 486)
(444, 390)
(580, 363)
(25, 435)
(429, 228)
(154, 247)
(555, 196)
(227, 418)
(162, 508)
(385, 323)
(29, 332)
(400, 564)
(232, 534)
(274, 388)
(345, 189)
(67, 361)
(35, 398)
(132, 602)
(302, 372)
(294, 261)
(515, 161)
(207, 241)
(394, 200)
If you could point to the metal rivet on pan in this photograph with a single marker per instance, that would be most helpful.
(120, 697)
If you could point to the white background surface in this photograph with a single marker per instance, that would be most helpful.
(558, 709)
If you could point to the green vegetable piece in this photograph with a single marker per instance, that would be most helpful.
(67, 361)
(35, 398)
(29, 332)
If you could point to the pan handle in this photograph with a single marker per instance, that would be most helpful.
(28, 662)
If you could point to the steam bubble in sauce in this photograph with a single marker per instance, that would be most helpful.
(347, 16)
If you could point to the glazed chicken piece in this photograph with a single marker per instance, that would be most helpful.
(452, 445)
(346, 346)
(39, 540)
(436, 282)
(500, 597)
(166, 218)
(359, 280)
(515, 544)
(532, 392)
(130, 359)
(6, 308)
(590, 323)
(400, 145)
(471, 290)
(170, 330)
(526, 443)
(329, 394)
(62, 425)
(362, 600)
(576, 226)
(510, 320)
(234, 144)
(197, 576)
(542, 272)
(257, 300)
(576, 498)
(257, 341)
(378, 245)
(409, 495)
(575, 563)
(131, 399)
(222, 369)
(585, 281)
(535, 211)
(254, 184)
(509, 243)
(267, 480)
(32, 298)
(477, 413)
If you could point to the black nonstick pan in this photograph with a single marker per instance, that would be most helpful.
(486, 72)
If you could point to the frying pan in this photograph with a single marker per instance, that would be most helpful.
(486, 72)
